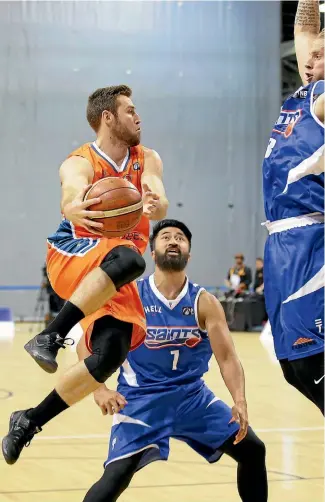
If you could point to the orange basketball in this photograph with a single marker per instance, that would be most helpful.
(122, 203)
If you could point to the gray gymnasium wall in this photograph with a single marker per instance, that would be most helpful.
(206, 80)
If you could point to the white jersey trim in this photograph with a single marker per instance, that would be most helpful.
(314, 284)
(118, 418)
(214, 400)
(117, 168)
(92, 244)
(311, 165)
(171, 304)
(196, 313)
(312, 104)
(129, 374)
(303, 220)
(127, 455)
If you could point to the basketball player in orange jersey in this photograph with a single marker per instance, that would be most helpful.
(93, 273)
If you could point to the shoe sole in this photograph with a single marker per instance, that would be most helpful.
(43, 363)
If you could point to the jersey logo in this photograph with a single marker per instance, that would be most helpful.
(301, 93)
(136, 166)
(133, 236)
(174, 336)
(303, 342)
(316, 382)
(188, 311)
(152, 309)
(286, 122)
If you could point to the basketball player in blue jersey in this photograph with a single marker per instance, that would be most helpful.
(294, 205)
(161, 393)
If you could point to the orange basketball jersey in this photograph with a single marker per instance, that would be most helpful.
(131, 169)
(73, 252)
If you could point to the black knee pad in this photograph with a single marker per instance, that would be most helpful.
(111, 340)
(123, 265)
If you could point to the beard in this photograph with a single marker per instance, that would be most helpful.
(123, 134)
(171, 262)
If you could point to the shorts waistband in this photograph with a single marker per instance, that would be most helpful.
(294, 222)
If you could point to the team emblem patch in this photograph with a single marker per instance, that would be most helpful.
(187, 311)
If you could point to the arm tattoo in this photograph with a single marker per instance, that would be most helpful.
(308, 15)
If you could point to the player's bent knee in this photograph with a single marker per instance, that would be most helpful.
(251, 449)
(109, 355)
(259, 449)
(288, 374)
(256, 447)
(123, 265)
(114, 481)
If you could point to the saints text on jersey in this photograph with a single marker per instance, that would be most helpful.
(158, 337)
(286, 122)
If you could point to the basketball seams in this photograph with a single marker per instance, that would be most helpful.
(110, 191)
(121, 211)
(125, 230)
(120, 203)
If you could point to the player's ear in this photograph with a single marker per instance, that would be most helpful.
(189, 256)
(107, 117)
(153, 254)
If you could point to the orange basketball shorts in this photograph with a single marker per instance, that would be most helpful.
(69, 261)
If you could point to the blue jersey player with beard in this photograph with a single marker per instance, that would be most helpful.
(293, 173)
(161, 393)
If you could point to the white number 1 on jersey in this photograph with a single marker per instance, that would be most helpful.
(175, 353)
(270, 147)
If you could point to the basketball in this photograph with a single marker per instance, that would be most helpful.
(121, 202)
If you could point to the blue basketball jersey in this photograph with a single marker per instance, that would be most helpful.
(293, 179)
(176, 350)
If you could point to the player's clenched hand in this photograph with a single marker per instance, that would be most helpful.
(77, 212)
(150, 201)
(239, 415)
(109, 401)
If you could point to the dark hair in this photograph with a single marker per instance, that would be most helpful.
(240, 255)
(259, 258)
(104, 99)
(169, 223)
